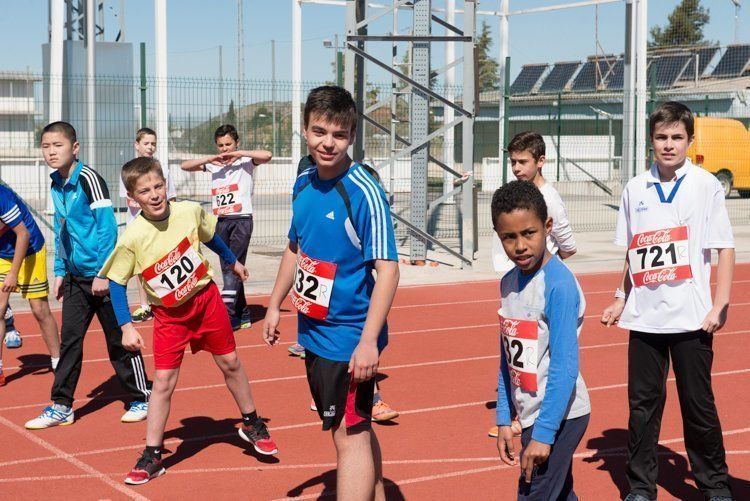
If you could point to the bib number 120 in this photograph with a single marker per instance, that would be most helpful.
(178, 272)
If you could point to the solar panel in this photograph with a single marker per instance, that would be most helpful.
(665, 70)
(559, 77)
(616, 80)
(527, 78)
(589, 78)
(733, 63)
(705, 55)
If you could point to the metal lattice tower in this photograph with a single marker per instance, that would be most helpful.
(417, 146)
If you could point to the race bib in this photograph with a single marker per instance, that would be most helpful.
(659, 257)
(226, 200)
(175, 275)
(520, 339)
(313, 284)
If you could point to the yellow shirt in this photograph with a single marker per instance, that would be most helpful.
(165, 254)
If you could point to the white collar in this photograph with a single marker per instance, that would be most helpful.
(653, 172)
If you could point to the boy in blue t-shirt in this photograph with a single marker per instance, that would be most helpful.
(341, 232)
(23, 268)
(541, 314)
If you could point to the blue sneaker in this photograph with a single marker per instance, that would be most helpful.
(138, 411)
(53, 415)
(13, 339)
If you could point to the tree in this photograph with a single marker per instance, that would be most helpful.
(684, 26)
(231, 116)
(487, 77)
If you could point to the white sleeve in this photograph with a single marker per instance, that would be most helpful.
(561, 230)
(623, 233)
(123, 191)
(171, 190)
(718, 233)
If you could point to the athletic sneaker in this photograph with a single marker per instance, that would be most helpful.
(142, 314)
(297, 350)
(138, 411)
(13, 339)
(258, 435)
(53, 415)
(313, 407)
(145, 469)
(238, 324)
(383, 412)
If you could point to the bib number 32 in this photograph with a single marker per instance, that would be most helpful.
(313, 284)
(520, 339)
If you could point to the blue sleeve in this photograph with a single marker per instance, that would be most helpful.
(373, 222)
(504, 402)
(119, 297)
(562, 304)
(10, 213)
(217, 245)
(106, 233)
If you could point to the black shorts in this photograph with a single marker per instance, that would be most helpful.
(336, 396)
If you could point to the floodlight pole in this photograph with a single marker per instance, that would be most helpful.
(162, 116)
(501, 110)
(56, 27)
(640, 106)
(629, 74)
(90, 82)
(296, 77)
(449, 113)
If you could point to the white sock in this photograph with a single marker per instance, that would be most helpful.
(1, 366)
(54, 361)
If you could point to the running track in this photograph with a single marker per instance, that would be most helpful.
(440, 371)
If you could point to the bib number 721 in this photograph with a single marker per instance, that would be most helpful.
(660, 256)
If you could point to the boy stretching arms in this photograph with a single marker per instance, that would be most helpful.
(527, 156)
(85, 234)
(232, 200)
(341, 231)
(162, 247)
(670, 218)
(145, 146)
(540, 318)
(23, 268)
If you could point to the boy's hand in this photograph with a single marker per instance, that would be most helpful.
(57, 288)
(364, 362)
(240, 270)
(131, 338)
(536, 453)
(612, 312)
(713, 322)
(271, 322)
(10, 283)
(505, 445)
(100, 286)
(229, 157)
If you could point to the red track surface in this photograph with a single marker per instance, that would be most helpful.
(440, 372)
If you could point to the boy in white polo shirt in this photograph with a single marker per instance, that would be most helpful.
(670, 218)
(232, 183)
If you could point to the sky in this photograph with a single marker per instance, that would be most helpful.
(196, 29)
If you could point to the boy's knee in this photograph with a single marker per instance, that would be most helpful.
(164, 381)
(229, 362)
(40, 309)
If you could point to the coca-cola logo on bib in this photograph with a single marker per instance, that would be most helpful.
(185, 289)
(167, 262)
(660, 276)
(302, 305)
(510, 327)
(657, 237)
(308, 264)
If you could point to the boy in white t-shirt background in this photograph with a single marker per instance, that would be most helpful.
(671, 217)
(527, 156)
(231, 200)
(145, 146)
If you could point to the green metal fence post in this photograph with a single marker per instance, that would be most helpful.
(559, 132)
(651, 105)
(705, 107)
(143, 84)
(506, 119)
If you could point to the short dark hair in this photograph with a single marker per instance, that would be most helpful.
(225, 129)
(138, 167)
(333, 104)
(518, 195)
(144, 131)
(671, 112)
(63, 127)
(528, 140)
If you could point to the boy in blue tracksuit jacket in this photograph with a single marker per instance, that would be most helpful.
(85, 235)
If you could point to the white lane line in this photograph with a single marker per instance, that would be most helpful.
(60, 454)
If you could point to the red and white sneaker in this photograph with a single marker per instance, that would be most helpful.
(258, 435)
(145, 469)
